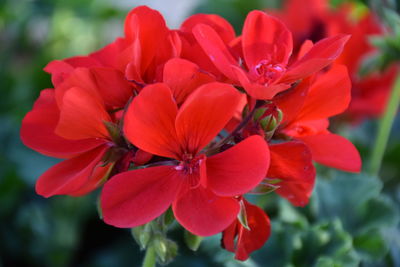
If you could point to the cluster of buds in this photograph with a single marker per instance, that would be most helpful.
(184, 123)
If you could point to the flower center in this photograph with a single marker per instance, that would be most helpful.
(190, 166)
(267, 73)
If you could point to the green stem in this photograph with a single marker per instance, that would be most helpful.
(385, 126)
(150, 257)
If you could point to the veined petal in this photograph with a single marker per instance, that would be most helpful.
(238, 169)
(291, 162)
(216, 49)
(333, 89)
(183, 77)
(136, 197)
(334, 151)
(265, 38)
(204, 114)
(203, 213)
(319, 56)
(69, 176)
(149, 122)
(37, 130)
(82, 116)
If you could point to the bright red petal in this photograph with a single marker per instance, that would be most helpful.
(203, 213)
(253, 239)
(37, 130)
(204, 114)
(79, 77)
(150, 121)
(136, 197)
(82, 116)
(112, 85)
(183, 77)
(291, 101)
(320, 55)
(216, 49)
(219, 24)
(334, 151)
(265, 38)
(257, 90)
(333, 89)
(70, 176)
(291, 162)
(238, 169)
(147, 26)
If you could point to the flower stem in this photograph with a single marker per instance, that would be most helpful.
(385, 125)
(149, 257)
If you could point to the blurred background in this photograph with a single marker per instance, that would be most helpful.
(352, 220)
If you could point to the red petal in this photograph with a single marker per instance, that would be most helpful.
(238, 169)
(257, 90)
(291, 162)
(70, 176)
(110, 55)
(260, 230)
(112, 86)
(204, 114)
(81, 78)
(37, 130)
(291, 101)
(147, 26)
(320, 55)
(203, 213)
(265, 38)
(334, 151)
(219, 24)
(216, 49)
(150, 121)
(183, 77)
(333, 89)
(136, 197)
(82, 116)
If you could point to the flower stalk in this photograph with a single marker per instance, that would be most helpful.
(385, 126)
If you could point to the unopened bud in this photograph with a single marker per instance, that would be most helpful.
(142, 235)
(242, 216)
(192, 241)
(166, 249)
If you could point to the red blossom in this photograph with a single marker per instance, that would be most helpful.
(198, 187)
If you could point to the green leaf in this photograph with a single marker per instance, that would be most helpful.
(371, 245)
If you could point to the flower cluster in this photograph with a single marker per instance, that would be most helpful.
(317, 20)
(194, 119)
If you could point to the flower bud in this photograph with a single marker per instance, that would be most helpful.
(166, 249)
(192, 241)
(142, 235)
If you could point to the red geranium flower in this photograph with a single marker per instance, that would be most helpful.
(267, 46)
(306, 118)
(201, 188)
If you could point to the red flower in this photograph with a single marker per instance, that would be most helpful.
(264, 69)
(306, 120)
(68, 122)
(236, 238)
(318, 20)
(201, 189)
(139, 55)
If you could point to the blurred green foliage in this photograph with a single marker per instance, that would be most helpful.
(352, 220)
